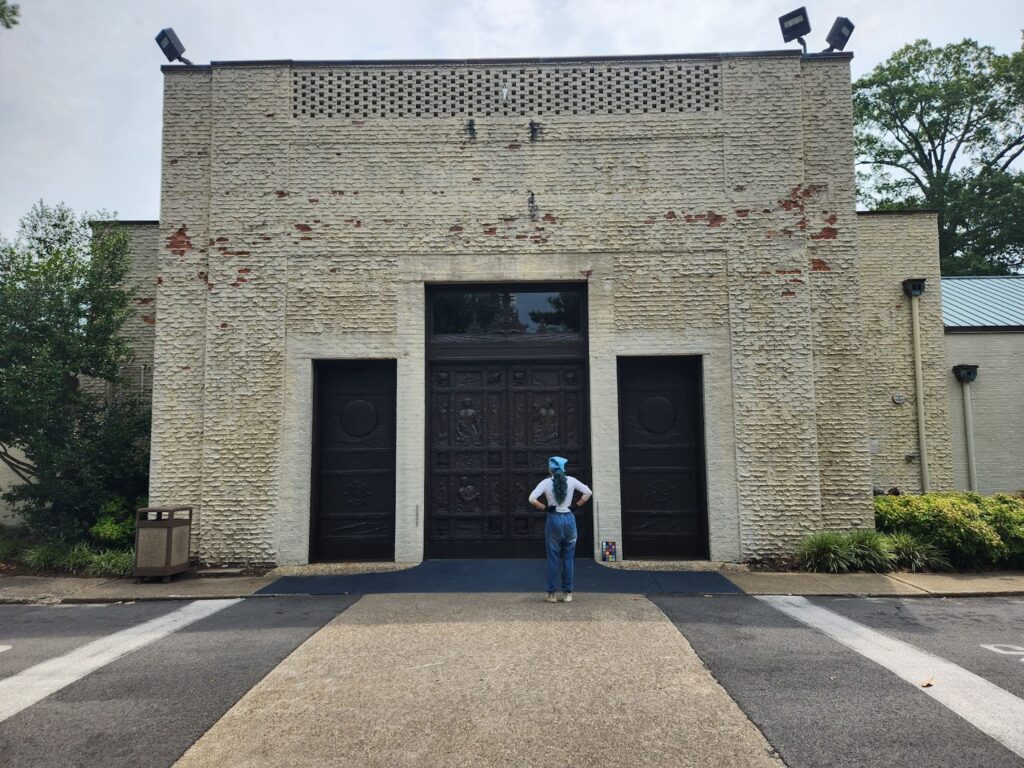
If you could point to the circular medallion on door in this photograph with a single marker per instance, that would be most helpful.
(657, 415)
(359, 418)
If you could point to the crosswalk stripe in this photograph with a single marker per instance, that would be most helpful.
(36, 683)
(985, 705)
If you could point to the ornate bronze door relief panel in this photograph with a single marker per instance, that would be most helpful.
(661, 457)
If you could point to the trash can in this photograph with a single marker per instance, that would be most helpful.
(162, 541)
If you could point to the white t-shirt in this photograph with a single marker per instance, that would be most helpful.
(547, 487)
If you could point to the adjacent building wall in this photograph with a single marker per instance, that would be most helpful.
(894, 247)
(291, 232)
(996, 404)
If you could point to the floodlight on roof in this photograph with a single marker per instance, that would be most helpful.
(795, 25)
(171, 46)
(839, 35)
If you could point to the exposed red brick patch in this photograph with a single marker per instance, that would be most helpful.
(491, 231)
(538, 239)
(223, 325)
(149, 319)
(201, 275)
(305, 237)
(314, 199)
(142, 302)
(455, 228)
(209, 286)
(715, 219)
(174, 161)
(819, 265)
(670, 215)
(476, 178)
(355, 192)
(549, 218)
(179, 242)
(508, 220)
(827, 233)
(765, 273)
(303, 227)
(222, 239)
(265, 237)
(832, 219)
(340, 192)
(357, 224)
(788, 293)
(269, 114)
(743, 212)
(514, 147)
(244, 271)
(649, 220)
(802, 223)
(787, 271)
(332, 270)
(159, 280)
(520, 237)
(281, 193)
(797, 280)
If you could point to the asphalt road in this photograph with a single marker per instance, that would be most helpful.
(148, 707)
(819, 703)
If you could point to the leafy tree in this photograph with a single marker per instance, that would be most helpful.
(943, 128)
(61, 307)
(9, 13)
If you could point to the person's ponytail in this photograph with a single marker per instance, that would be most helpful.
(561, 485)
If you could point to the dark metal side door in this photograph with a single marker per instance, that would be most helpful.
(661, 457)
(354, 461)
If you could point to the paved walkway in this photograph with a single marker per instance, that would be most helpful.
(506, 679)
(509, 576)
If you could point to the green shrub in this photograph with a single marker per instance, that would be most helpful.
(871, 551)
(13, 539)
(952, 521)
(913, 554)
(1005, 514)
(826, 552)
(112, 562)
(115, 526)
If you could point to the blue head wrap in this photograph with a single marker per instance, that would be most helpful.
(557, 463)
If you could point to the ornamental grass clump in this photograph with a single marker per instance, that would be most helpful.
(826, 552)
(913, 554)
(871, 551)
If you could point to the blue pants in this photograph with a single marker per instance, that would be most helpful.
(560, 537)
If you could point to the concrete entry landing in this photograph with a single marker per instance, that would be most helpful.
(507, 680)
(455, 576)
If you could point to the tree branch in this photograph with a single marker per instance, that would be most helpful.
(22, 469)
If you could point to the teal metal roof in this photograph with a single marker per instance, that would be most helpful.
(983, 302)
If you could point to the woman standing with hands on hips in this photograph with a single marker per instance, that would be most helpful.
(560, 527)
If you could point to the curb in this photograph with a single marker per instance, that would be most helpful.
(106, 599)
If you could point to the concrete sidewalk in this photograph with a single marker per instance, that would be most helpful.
(489, 680)
(44, 589)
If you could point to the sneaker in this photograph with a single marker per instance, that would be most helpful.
(551, 598)
(567, 597)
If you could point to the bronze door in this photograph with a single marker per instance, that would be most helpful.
(492, 427)
(354, 461)
(661, 457)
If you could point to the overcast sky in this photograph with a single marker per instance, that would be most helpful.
(80, 82)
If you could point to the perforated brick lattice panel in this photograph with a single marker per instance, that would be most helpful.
(674, 87)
